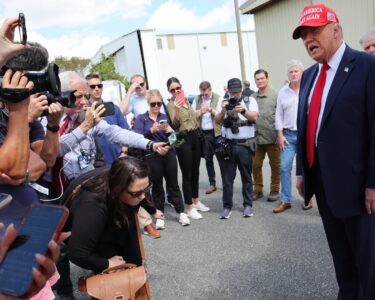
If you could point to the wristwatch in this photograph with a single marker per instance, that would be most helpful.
(53, 128)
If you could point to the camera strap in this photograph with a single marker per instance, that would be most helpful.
(14, 95)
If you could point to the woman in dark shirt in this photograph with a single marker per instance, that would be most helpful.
(154, 126)
(102, 216)
(183, 118)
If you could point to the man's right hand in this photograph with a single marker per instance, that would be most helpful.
(92, 116)
(282, 141)
(7, 46)
(299, 186)
(17, 81)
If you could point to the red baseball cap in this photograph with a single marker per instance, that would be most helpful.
(314, 16)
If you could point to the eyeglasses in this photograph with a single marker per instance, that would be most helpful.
(140, 193)
(153, 104)
(178, 88)
(93, 86)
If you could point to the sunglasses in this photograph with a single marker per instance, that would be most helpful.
(140, 193)
(142, 84)
(153, 104)
(175, 89)
(93, 86)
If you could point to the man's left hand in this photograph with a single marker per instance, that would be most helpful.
(370, 200)
(238, 108)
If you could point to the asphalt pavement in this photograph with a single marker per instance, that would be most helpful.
(267, 256)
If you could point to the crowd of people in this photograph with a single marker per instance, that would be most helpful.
(122, 171)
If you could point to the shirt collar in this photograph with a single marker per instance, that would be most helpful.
(335, 60)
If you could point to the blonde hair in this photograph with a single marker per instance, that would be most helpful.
(153, 93)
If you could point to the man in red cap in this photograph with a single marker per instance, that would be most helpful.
(336, 148)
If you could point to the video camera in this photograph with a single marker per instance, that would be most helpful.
(46, 81)
(232, 103)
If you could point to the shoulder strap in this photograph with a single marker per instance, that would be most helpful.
(140, 241)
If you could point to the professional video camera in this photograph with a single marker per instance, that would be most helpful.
(232, 103)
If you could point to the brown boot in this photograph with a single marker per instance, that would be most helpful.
(274, 196)
(282, 207)
(151, 231)
(257, 195)
(211, 189)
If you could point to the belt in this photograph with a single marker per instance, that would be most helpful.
(208, 131)
(289, 130)
(237, 141)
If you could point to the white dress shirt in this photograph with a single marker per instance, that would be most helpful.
(333, 63)
(207, 122)
(286, 109)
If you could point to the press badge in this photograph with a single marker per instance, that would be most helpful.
(82, 161)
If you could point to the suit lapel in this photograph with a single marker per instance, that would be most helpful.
(304, 97)
(343, 72)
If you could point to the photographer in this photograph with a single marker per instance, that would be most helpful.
(17, 161)
(237, 146)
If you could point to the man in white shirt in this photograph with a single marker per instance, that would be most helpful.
(286, 126)
(205, 106)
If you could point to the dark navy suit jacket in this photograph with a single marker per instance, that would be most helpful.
(346, 140)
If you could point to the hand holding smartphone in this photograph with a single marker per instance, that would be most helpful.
(180, 97)
(44, 223)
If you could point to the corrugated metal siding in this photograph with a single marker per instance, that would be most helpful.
(274, 26)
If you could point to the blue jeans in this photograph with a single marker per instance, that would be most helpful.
(286, 165)
(241, 157)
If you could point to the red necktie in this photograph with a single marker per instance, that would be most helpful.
(313, 115)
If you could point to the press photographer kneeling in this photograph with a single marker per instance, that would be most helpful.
(237, 145)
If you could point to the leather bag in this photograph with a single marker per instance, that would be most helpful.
(123, 282)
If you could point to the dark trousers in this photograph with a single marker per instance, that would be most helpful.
(352, 244)
(212, 145)
(165, 167)
(241, 157)
(63, 286)
(189, 158)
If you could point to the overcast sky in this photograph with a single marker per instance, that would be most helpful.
(80, 27)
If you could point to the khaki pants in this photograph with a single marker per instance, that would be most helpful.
(273, 153)
(144, 218)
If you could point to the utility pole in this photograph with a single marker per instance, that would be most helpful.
(239, 36)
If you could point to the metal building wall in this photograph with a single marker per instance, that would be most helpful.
(274, 26)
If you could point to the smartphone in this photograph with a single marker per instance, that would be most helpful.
(44, 223)
(163, 123)
(22, 28)
(109, 108)
(5, 199)
(180, 97)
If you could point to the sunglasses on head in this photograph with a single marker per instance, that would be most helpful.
(140, 193)
(93, 86)
(178, 88)
(153, 104)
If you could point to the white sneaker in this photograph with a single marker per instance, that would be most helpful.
(184, 220)
(194, 214)
(160, 224)
(201, 207)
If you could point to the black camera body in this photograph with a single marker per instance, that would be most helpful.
(66, 99)
(223, 149)
(231, 121)
(232, 103)
(46, 80)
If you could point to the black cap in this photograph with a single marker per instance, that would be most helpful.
(234, 85)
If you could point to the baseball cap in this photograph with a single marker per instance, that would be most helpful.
(234, 85)
(314, 16)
